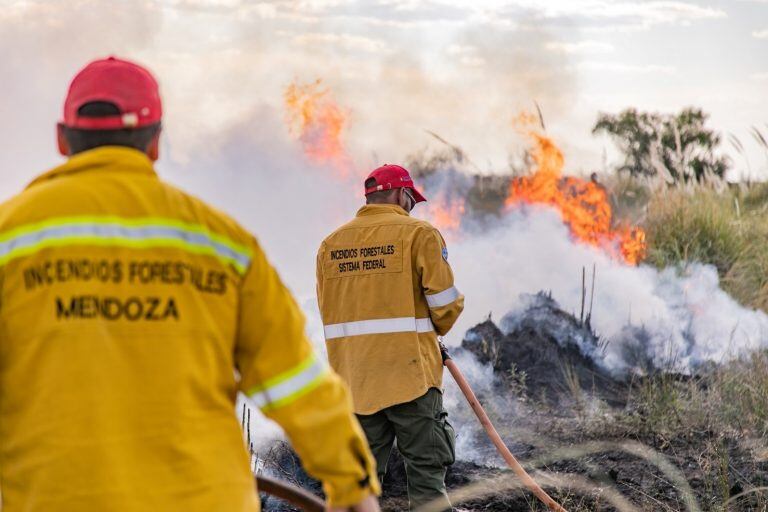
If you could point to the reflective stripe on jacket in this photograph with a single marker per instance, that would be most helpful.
(386, 292)
(126, 307)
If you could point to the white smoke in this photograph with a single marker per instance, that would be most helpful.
(688, 318)
(471, 443)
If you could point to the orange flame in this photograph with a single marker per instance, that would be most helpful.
(319, 123)
(583, 204)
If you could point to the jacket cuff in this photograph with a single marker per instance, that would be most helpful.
(349, 493)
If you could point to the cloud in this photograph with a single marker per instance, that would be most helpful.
(398, 12)
(580, 47)
(612, 15)
(760, 34)
(760, 77)
(316, 6)
(243, 10)
(654, 12)
(205, 5)
(346, 42)
(620, 67)
(593, 14)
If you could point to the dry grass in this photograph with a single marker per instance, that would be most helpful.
(720, 416)
(725, 226)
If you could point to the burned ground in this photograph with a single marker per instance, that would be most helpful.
(559, 411)
(548, 349)
(642, 483)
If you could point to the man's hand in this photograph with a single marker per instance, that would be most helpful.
(443, 350)
(369, 504)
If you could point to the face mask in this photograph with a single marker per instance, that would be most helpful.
(410, 200)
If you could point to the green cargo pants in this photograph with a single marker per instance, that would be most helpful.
(425, 439)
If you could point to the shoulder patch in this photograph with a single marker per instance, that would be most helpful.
(445, 253)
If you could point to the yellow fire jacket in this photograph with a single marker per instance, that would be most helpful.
(386, 292)
(126, 307)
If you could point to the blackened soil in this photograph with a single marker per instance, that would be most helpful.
(551, 348)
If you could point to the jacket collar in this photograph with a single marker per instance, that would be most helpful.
(378, 209)
(105, 157)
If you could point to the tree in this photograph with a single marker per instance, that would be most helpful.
(677, 147)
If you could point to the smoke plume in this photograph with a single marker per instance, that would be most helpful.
(688, 319)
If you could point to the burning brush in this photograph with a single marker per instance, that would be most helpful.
(582, 204)
(319, 123)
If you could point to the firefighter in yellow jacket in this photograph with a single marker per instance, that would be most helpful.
(131, 315)
(386, 292)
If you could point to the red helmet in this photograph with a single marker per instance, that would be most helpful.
(391, 176)
(128, 86)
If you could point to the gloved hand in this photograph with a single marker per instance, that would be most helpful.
(443, 350)
(369, 504)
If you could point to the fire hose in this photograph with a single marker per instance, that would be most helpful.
(308, 502)
(510, 459)
(296, 496)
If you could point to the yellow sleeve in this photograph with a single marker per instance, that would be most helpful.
(444, 300)
(281, 374)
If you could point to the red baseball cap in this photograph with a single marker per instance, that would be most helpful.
(391, 176)
(127, 85)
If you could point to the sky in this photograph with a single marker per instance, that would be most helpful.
(397, 68)
(462, 69)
